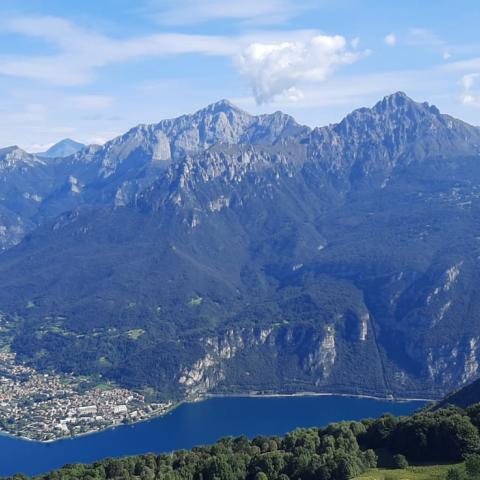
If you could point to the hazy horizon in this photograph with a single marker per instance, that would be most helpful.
(90, 73)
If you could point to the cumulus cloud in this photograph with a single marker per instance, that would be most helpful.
(279, 69)
(470, 95)
(390, 39)
(276, 63)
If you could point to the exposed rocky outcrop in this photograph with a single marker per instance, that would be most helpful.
(256, 253)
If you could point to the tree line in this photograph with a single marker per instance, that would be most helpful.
(339, 451)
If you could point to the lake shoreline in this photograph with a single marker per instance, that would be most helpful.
(206, 396)
(255, 394)
(93, 432)
(193, 423)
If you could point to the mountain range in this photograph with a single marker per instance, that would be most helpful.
(221, 252)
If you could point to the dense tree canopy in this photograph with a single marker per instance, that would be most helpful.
(337, 452)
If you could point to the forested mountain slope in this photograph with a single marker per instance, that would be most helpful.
(252, 253)
(463, 397)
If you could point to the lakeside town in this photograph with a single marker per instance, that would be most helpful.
(47, 407)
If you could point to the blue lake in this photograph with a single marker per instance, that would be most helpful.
(194, 424)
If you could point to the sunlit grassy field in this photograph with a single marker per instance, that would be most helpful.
(428, 472)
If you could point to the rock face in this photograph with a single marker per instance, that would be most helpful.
(22, 188)
(256, 254)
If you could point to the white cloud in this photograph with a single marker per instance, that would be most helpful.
(447, 55)
(470, 96)
(57, 70)
(463, 65)
(40, 147)
(390, 39)
(30, 113)
(279, 69)
(81, 51)
(467, 99)
(100, 140)
(468, 81)
(275, 62)
(185, 12)
(415, 37)
(350, 91)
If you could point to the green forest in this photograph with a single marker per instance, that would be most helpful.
(339, 451)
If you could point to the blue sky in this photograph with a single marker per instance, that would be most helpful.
(90, 70)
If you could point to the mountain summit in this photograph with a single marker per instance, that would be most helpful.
(63, 148)
(253, 253)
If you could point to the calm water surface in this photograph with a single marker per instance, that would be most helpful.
(194, 424)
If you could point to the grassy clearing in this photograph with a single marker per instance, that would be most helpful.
(105, 387)
(104, 362)
(136, 333)
(423, 472)
(195, 302)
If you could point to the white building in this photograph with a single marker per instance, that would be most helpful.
(120, 409)
(87, 410)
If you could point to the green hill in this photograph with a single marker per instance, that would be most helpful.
(464, 397)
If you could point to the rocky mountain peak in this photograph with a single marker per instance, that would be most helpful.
(397, 100)
(400, 103)
(222, 105)
(11, 156)
(10, 150)
(395, 110)
(395, 131)
(220, 123)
